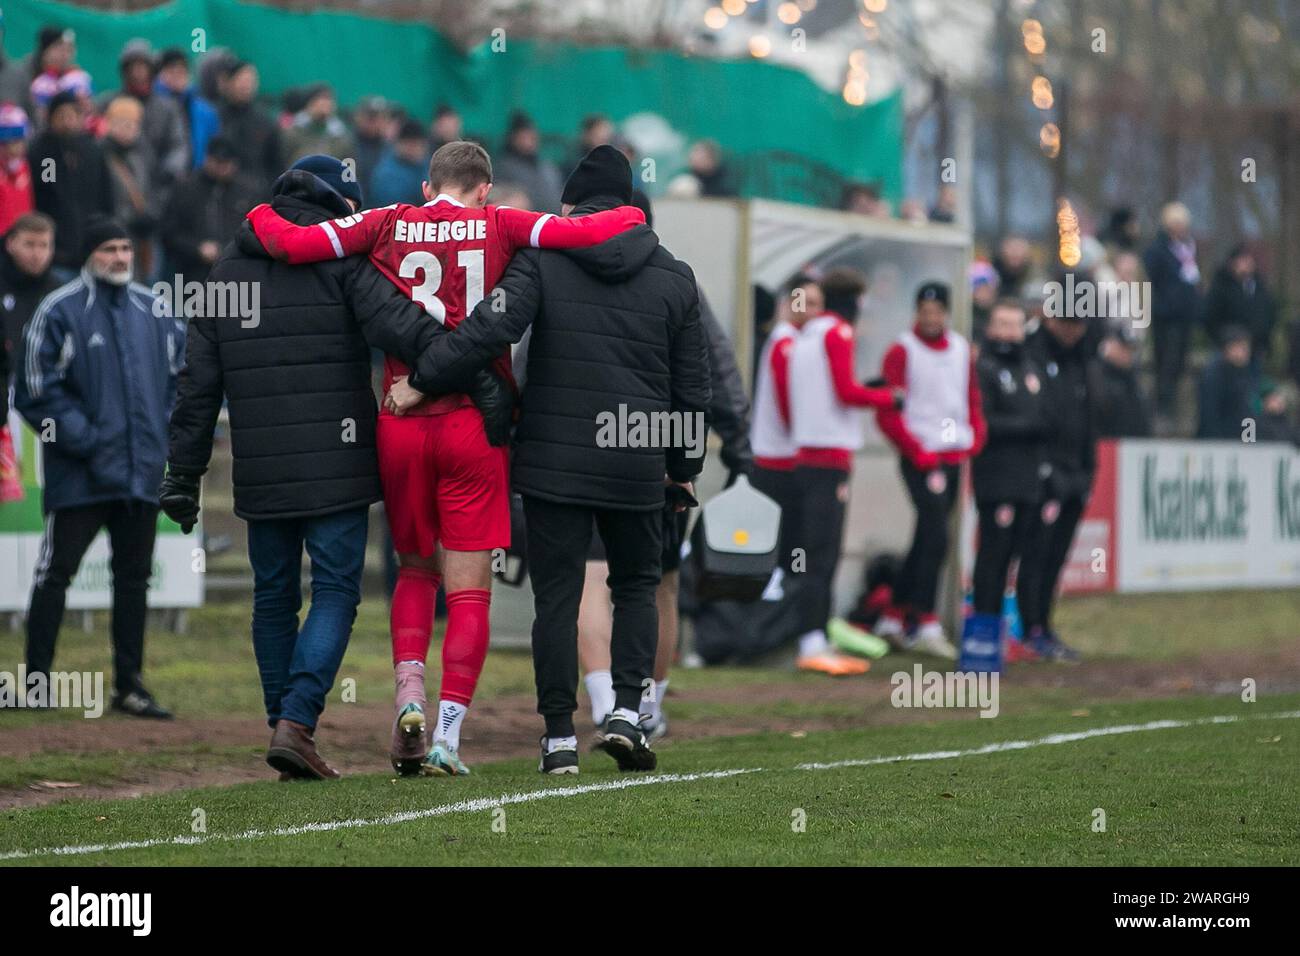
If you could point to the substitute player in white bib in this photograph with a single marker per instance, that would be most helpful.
(827, 403)
(940, 426)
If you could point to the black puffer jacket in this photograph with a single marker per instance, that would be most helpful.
(1010, 468)
(302, 410)
(20, 294)
(615, 324)
(1071, 416)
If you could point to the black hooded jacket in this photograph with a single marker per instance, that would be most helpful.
(302, 409)
(1248, 304)
(20, 294)
(617, 324)
(1068, 402)
(1011, 466)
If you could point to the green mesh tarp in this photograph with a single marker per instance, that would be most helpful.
(754, 109)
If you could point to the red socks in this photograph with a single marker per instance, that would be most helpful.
(465, 646)
(411, 615)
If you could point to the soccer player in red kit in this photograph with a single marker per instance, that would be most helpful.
(446, 489)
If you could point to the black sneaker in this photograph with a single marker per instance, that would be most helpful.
(627, 745)
(656, 730)
(1049, 647)
(139, 703)
(563, 760)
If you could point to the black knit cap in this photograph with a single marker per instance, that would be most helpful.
(61, 99)
(603, 172)
(933, 292)
(172, 56)
(99, 230)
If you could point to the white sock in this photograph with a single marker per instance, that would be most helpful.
(561, 743)
(622, 713)
(600, 688)
(814, 642)
(653, 711)
(450, 715)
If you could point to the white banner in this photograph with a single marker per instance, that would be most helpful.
(1207, 514)
(174, 583)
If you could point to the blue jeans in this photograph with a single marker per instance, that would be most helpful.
(298, 667)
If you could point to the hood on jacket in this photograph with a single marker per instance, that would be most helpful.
(301, 198)
(619, 258)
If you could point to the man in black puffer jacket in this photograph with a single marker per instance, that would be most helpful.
(616, 339)
(1008, 474)
(1059, 348)
(302, 420)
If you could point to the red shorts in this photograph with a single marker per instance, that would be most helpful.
(443, 483)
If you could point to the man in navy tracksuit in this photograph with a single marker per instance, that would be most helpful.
(96, 381)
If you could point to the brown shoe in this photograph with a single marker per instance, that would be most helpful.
(293, 751)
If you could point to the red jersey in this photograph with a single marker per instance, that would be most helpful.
(444, 255)
(15, 191)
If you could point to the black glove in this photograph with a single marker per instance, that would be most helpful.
(178, 496)
(494, 400)
(879, 382)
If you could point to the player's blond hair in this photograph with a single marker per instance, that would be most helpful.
(461, 164)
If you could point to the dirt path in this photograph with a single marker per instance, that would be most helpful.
(355, 737)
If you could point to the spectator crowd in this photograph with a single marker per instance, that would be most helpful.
(180, 149)
(1194, 353)
(152, 178)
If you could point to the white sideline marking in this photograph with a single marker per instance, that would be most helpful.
(476, 805)
(479, 804)
(1048, 741)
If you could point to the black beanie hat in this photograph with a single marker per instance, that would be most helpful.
(603, 172)
(933, 292)
(60, 99)
(334, 174)
(99, 230)
(172, 56)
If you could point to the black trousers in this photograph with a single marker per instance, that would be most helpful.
(918, 580)
(558, 539)
(1004, 534)
(1050, 534)
(69, 532)
(1169, 348)
(783, 488)
(823, 495)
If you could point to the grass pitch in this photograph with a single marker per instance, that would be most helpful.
(1201, 793)
(1186, 790)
